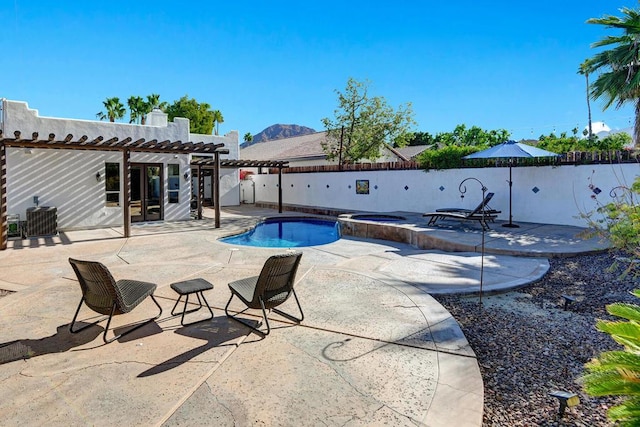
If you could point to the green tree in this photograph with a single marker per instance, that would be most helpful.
(473, 136)
(153, 101)
(217, 119)
(447, 157)
(421, 138)
(136, 109)
(584, 70)
(619, 79)
(114, 109)
(564, 143)
(199, 114)
(362, 124)
(139, 108)
(248, 137)
(614, 141)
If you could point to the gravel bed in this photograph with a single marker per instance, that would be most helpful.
(527, 345)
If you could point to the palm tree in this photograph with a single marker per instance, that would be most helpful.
(114, 109)
(584, 70)
(153, 101)
(136, 109)
(619, 81)
(248, 137)
(217, 119)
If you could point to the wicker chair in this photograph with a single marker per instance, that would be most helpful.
(271, 288)
(102, 294)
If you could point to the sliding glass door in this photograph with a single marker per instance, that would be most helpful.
(146, 192)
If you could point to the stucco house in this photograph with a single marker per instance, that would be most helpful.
(95, 167)
(306, 150)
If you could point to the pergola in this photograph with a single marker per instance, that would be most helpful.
(126, 146)
(216, 164)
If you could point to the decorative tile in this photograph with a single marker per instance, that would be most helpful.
(327, 185)
(375, 187)
(308, 185)
(441, 188)
(291, 185)
(535, 190)
(597, 190)
(406, 187)
(349, 186)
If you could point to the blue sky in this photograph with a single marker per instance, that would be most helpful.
(499, 64)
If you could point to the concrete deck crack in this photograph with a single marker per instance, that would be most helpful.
(201, 381)
(229, 411)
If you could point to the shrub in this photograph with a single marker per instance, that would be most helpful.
(446, 158)
(617, 373)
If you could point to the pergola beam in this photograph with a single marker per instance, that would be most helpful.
(126, 197)
(112, 144)
(4, 227)
(216, 164)
(126, 146)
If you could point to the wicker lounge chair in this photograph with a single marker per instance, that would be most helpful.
(271, 288)
(102, 294)
(482, 213)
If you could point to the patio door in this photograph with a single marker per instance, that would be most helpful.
(146, 192)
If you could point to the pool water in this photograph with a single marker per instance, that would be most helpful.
(288, 233)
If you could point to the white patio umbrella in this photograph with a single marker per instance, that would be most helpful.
(511, 150)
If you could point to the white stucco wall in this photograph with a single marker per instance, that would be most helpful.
(66, 179)
(19, 117)
(563, 192)
(229, 178)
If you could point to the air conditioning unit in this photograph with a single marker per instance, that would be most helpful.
(42, 221)
(14, 228)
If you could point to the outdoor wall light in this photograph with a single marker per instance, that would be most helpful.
(98, 176)
(566, 399)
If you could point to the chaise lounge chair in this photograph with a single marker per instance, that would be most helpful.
(482, 213)
(102, 294)
(271, 288)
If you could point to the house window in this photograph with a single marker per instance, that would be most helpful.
(174, 182)
(112, 184)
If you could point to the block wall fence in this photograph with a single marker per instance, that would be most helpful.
(540, 194)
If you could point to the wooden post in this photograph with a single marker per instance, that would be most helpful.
(280, 189)
(216, 187)
(126, 194)
(4, 228)
(200, 190)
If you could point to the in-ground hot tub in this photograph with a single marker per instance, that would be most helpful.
(375, 225)
(378, 217)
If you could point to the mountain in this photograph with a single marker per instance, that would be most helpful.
(278, 132)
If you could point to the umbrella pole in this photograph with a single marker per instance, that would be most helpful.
(510, 224)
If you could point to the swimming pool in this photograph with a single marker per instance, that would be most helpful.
(288, 233)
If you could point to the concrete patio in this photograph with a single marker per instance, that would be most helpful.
(375, 348)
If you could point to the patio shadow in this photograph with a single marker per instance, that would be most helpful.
(61, 341)
(218, 332)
